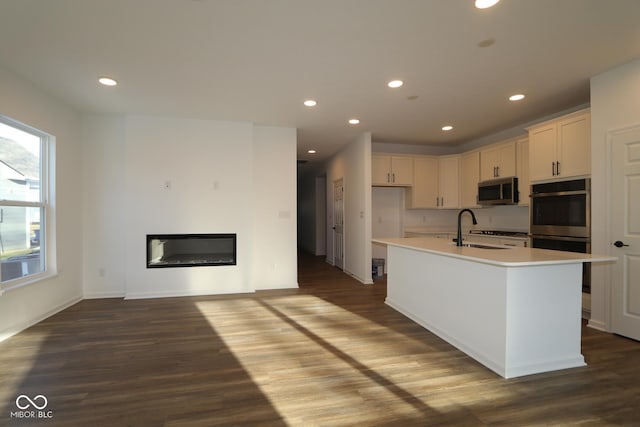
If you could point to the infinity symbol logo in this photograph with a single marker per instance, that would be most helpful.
(30, 402)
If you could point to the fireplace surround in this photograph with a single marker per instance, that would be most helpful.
(190, 250)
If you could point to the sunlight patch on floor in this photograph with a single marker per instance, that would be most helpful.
(331, 363)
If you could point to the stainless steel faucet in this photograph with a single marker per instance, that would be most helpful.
(473, 217)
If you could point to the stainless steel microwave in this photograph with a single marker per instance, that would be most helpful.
(501, 191)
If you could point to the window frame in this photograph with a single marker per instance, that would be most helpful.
(46, 206)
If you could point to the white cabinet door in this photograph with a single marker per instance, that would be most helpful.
(380, 170)
(574, 146)
(423, 194)
(389, 170)
(542, 152)
(469, 177)
(448, 169)
(507, 160)
(561, 148)
(402, 170)
(489, 158)
(498, 161)
(522, 168)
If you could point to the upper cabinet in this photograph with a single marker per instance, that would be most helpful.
(469, 177)
(435, 183)
(424, 193)
(387, 170)
(561, 148)
(448, 178)
(522, 166)
(497, 161)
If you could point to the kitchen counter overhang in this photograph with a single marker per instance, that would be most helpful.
(517, 311)
(509, 256)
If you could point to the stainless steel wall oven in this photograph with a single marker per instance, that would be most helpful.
(560, 215)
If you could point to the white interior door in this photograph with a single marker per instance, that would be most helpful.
(624, 191)
(338, 223)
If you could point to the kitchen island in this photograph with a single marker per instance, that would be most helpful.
(516, 310)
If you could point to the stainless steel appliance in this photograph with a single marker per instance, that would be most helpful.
(561, 208)
(501, 191)
(560, 215)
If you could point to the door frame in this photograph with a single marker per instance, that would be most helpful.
(335, 182)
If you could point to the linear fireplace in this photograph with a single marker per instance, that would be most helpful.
(190, 250)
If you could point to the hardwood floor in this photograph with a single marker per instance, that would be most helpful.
(329, 353)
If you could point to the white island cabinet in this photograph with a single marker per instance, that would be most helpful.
(515, 310)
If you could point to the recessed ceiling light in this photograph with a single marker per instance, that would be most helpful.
(516, 97)
(447, 128)
(310, 103)
(486, 43)
(354, 121)
(311, 151)
(107, 81)
(395, 83)
(483, 4)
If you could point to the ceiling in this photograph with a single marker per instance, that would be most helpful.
(258, 60)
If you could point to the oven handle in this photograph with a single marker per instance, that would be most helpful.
(560, 193)
(564, 238)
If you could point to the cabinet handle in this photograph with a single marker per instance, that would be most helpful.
(497, 171)
(553, 169)
(388, 177)
(557, 168)
(393, 175)
(437, 201)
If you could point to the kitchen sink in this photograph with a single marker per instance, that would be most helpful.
(481, 246)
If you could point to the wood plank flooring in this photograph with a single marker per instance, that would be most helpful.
(327, 354)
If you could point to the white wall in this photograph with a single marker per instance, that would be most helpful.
(615, 103)
(22, 307)
(224, 177)
(353, 164)
(274, 208)
(387, 208)
(103, 192)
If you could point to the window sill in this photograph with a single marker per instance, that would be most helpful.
(25, 281)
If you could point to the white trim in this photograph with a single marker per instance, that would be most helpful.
(104, 295)
(15, 329)
(46, 204)
(174, 294)
(597, 325)
(19, 282)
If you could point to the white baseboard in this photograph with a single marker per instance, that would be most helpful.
(177, 294)
(598, 325)
(15, 329)
(101, 295)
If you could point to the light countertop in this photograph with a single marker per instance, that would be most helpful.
(510, 257)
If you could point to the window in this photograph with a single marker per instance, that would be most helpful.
(25, 205)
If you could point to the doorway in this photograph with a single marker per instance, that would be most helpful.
(338, 223)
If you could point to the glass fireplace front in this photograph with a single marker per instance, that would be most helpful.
(190, 250)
